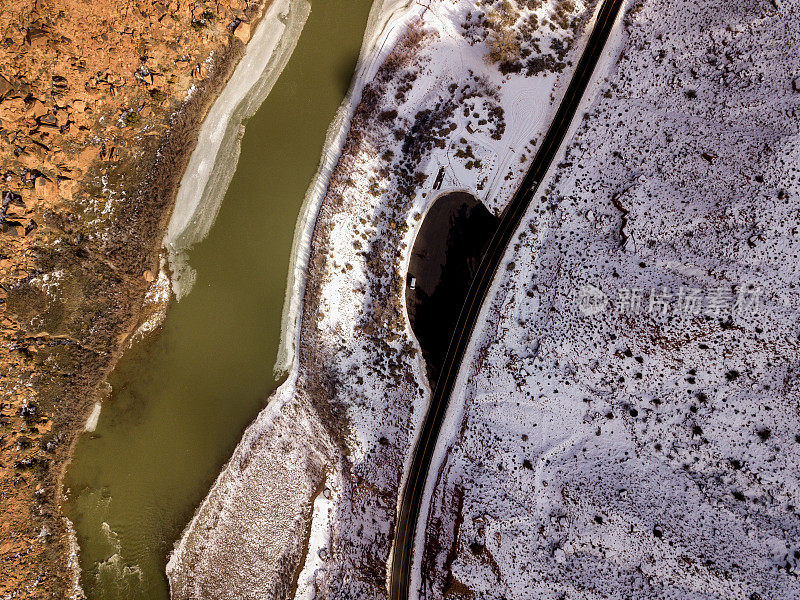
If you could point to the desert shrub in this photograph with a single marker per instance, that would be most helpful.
(387, 116)
(404, 52)
(502, 17)
(132, 118)
(504, 47)
(543, 64)
(564, 9)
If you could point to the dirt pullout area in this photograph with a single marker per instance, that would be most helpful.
(447, 251)
(100, 104)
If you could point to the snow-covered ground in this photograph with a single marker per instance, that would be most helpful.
(426, 98)
(629, 424)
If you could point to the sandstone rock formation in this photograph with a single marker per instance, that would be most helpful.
(98, 101)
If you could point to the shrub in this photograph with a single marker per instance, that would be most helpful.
(504, 47)
(158, 95)
(502, 17)
(132, 118)
(563, 11)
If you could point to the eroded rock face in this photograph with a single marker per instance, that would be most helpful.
(97, 100)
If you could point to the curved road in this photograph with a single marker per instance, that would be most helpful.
(411, 500)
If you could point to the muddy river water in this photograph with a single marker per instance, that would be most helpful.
(182, 399)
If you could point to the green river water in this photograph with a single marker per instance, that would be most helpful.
(182, 400)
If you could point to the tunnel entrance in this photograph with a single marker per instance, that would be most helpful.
(447, 251)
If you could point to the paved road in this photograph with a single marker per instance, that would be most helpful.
(415, 484)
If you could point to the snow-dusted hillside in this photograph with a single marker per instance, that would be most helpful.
(314, 482)
(629, 425)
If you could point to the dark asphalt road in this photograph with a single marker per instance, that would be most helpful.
(421, 460)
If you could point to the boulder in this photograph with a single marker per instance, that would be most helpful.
(66, 187)
(795, 84)
(31, 159)
(12, 228)
(45, 188)
(48, 120)
(243, 32)
(36, 108)
(62, 118)
(9, 197)
(5, 86)
(36, 37)
(110, 154)
(15, 208)
(87, 156)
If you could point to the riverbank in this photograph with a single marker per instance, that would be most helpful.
(386, 20)
(101, 132)
(183, 398)
(213, 163)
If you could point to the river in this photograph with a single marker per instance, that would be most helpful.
(182, 399)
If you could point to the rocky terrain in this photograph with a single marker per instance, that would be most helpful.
(99, 108)
(629, 423)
